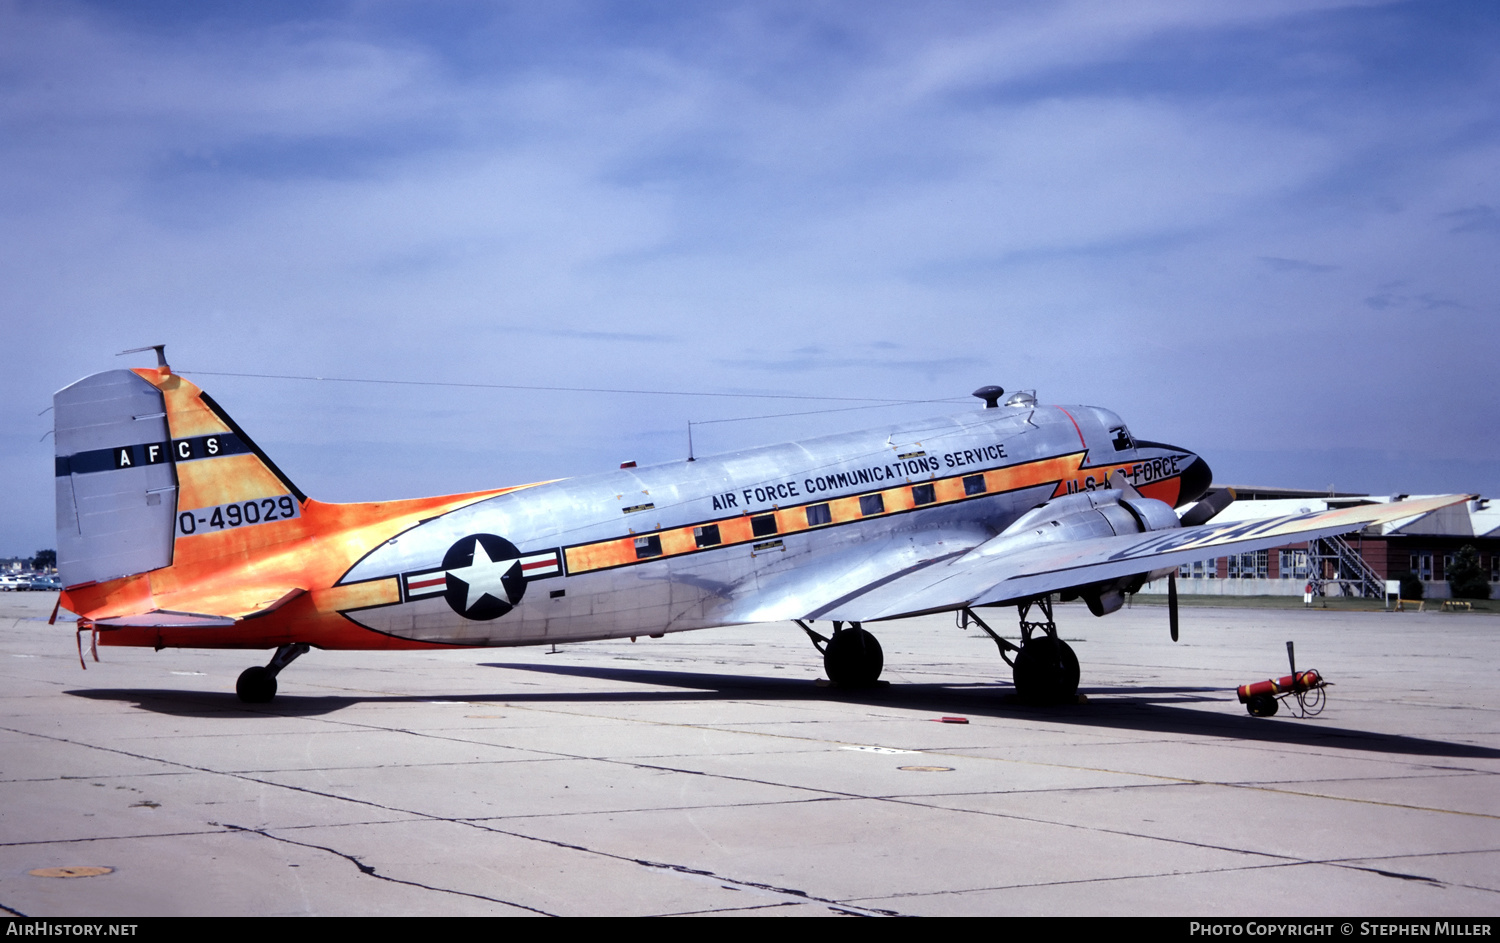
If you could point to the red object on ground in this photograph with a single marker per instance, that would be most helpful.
(1301, 681)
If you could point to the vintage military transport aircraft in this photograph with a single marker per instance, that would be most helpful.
(175, 530)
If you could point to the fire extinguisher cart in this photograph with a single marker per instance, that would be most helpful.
(1262, 699)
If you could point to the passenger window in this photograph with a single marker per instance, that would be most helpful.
(763, 525)
(647, 547)
(923, 494)
(707, 535)
(818, 514)
(871, 504)
(974, 484)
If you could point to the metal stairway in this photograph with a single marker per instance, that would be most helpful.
(1350, 571)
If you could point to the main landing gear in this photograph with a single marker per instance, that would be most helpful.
(852, 657)
(1044, 668)
(257, 685)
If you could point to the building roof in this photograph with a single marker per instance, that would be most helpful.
(1477, 517)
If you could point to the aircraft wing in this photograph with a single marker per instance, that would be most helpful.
(795, 591)
(997, 571)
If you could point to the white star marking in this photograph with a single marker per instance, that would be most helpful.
(484, 576)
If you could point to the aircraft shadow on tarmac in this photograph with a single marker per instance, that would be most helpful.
(1136, 709)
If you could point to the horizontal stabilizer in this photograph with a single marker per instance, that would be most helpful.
(208, 609)
(165, 618)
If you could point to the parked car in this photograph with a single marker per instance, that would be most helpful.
(46, 584)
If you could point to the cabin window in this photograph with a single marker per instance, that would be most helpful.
(707, 535)
(974, 484)
(764, 525)
(818, 514)
(647, 547)
(923, 494)
(871, 504)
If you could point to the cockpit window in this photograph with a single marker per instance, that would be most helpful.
(1122, 439)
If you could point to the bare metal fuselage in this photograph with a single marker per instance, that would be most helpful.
(758, 535)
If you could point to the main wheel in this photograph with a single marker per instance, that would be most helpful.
(853, 658)
(1046, 671)
(1262, 705)
(256, 685)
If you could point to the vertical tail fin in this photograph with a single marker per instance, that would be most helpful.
(145, 458)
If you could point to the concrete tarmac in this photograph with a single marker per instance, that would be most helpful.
(707, 773)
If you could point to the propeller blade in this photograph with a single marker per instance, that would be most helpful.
(1118, 482)
(1205, 510)
(1172, 603)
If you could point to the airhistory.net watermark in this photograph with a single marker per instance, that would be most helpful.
(67, 928)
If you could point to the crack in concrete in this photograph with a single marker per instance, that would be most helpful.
(369, 870)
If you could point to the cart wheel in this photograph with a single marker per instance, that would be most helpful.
(1262, 705)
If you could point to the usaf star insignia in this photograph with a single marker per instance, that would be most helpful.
(483, 577)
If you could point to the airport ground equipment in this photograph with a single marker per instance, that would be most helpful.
(1262, 698)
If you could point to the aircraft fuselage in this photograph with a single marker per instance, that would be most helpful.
(727, 539)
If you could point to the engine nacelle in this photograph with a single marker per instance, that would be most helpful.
(1087, 514)
(1106, 513)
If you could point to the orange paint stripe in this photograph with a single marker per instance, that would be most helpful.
(621, 551)
(384, 592)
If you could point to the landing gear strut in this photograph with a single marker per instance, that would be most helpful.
(257, 685)
(852, 657)
(1045, 669)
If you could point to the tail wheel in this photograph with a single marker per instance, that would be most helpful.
(256, 685)
(1046, 671)
(853, 658)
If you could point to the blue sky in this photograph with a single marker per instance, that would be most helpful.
(1265, 231)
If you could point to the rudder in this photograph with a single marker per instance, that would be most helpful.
(116, 488)
(144, 459)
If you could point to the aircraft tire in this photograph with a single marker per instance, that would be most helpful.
(853, 658)
(256, 685)
(1046, 672)
(1262, 705)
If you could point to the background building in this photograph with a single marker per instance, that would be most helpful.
(1358, 563)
